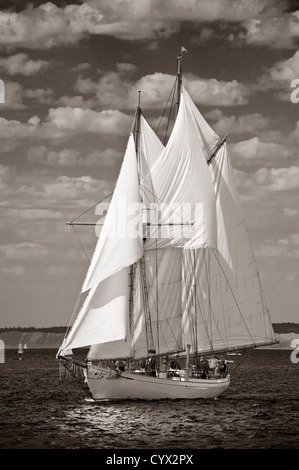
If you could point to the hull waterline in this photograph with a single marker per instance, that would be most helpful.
(131, 386)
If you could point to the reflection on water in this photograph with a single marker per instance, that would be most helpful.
(259, 410)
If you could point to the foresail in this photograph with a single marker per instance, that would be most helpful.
(103, 316)
(120, 243)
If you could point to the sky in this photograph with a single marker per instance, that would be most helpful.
(71, 71)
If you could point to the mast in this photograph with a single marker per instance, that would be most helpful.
(148, 324)
(179, 78)
(137, 128)
(179, 81)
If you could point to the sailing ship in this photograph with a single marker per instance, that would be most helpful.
(173, 283)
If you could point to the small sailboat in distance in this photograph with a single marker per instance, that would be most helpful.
(173, 284)
(20, 351)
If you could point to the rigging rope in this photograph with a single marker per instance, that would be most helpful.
(82, 247)
(87, 210)
(171, 95)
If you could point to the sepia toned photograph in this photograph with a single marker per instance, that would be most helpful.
(149, 242)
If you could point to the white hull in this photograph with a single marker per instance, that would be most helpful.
(132, 386)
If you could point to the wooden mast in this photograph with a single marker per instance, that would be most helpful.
(179, 81)
(148, 325)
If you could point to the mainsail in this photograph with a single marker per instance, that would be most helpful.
(185, 273)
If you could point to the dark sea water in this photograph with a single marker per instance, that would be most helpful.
(39, 410)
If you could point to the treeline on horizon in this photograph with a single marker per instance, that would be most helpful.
(32, 329)
(278, 328)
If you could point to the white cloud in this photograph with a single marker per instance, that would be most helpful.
(80, 67)
(285, 248)
(16, 97)
(15, 270)
(48, 25)
(65, 122)
(76, 102)
(74, 187)
(277, 179)
(31, 214)
(25, 250)
(41, 154)
(255, 152)
(280, 77)
(248, 123)
(21, 64)
(285, 70)
(13, 96)
(155, 88)
(12, 129)
(39, 95)
(280, 31)
(106, 157)
(87, 120)
(114, 90)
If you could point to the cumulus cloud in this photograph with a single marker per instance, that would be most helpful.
(74, 187)
(21, 64)
(264, 31)
(15, 270)
(80, 67)
(41, 154)
(15, 130)
(280, 76)
(16, 97)
(248, 123)
(49, 25)
(64, 122)
(32, 213)
(86, 120)
(277, 179)
(76, 101)
(254, 152)
(114, 90)
(24, 250)
(287, 248)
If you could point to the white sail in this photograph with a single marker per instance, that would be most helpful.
(223, 301)
(150, 150)
(185, 197)
(162, 272)
(120, 243)
(103, 316)
(101, 323)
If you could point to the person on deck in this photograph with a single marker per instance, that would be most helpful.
(223, 369)
(204, 367)
(121, 365)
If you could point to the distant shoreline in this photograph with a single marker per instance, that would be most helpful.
(280, 328)
(45, 338)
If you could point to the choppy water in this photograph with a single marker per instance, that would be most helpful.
(260, 410)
